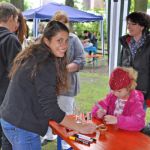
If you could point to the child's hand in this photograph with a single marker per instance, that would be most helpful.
(100, 113)
(109, 119)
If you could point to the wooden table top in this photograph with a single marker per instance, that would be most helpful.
(113, 139)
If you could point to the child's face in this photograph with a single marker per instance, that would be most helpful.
(122, 93)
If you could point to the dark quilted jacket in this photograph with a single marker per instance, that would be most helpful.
(141, 63)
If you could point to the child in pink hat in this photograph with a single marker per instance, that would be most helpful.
(123, 106)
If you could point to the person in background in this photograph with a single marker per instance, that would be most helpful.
(88, 36)
(22, 30)
(9, 48)
(41, 29)
(95, 39)
(76, 62)
(38, 75)
(123, 106)
(136, 50)
(90, 42)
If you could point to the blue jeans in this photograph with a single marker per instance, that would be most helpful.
(19, 138)
(91, 49)
(4, 143)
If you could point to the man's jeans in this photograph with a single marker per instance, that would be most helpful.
(4, 143)
(19, 138)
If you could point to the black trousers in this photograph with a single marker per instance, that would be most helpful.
(4, 143)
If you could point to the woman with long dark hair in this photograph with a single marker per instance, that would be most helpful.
(38, 75)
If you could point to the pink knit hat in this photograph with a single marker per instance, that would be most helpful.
(119, 79)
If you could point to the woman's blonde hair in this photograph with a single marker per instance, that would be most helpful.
(61, 16)
(133, 76)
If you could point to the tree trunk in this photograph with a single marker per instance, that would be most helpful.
(71, 4)
(140, 5)
(18, 3)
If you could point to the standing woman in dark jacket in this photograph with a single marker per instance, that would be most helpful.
(38, 75)
(136, 49)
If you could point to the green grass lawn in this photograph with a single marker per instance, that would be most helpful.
(94, 86)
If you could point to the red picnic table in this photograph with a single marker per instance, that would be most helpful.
(113, 139)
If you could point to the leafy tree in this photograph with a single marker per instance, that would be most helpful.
(18, 3)
(148, 4)
(27, 5)
(140, 5)
(78, 28)
(4, 0)
(69, 3)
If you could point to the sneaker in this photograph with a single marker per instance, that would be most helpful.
(46, 140)
(52, 138)
(64, 145)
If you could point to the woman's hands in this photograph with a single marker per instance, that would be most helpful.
(84, 128)
(72, 67)
(87, 128)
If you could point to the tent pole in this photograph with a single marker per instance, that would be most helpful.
(114, 34)
(123, 24)
(102, 37)
(35, 27)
